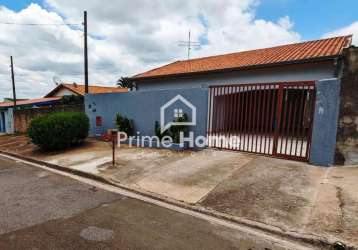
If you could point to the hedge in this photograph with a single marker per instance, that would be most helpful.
(59, 130)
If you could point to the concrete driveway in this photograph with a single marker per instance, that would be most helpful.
(291, 195)
(184, 176)
(42, 210)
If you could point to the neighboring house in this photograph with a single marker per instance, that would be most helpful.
(7, 114)
(8, 99)
(27, 109)
(306, 61)
(65, 89)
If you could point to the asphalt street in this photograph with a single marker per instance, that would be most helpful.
(43, 210)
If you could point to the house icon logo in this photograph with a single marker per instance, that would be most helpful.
(175, 108)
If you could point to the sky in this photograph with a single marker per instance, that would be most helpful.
(129, 37)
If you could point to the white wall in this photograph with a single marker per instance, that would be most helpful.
(9, 121)
(64, 92)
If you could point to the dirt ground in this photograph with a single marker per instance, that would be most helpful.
(292, 195)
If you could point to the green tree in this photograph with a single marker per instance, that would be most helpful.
(125, 82)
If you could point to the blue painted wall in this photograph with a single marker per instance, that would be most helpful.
(298, 72)
(2, 122)
(144, 108)
(325, 122)
(6, 121)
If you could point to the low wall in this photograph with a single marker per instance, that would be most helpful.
(22, 118)
(144, 109)
(325, 122)
(347, 136)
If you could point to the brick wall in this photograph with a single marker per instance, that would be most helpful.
(347, 134)
(22, 118)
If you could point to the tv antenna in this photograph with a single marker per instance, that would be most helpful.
(189, 44)
(56, 80)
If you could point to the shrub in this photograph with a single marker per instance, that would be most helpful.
(59, 130)
(158, 132)
(173, 131)
(124, 124)
(72, 100)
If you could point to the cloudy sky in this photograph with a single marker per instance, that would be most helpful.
(128, 37)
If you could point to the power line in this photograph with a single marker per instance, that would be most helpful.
(40, 24)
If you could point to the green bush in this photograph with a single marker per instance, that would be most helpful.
(173, 131)
(72, 100)
(158, 132)
(124, 124)
(176, 130)
(59, 130)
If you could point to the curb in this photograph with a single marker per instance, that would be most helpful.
(313, 240)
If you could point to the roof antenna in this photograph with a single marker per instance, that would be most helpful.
(56, 80)
(189, 44)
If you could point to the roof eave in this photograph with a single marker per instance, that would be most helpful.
(59, 87)
(309, 60)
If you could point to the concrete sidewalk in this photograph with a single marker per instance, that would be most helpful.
(43, 210)
(184, 176)
(293, 196)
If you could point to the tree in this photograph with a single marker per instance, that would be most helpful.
(72, 100)
(125, 82)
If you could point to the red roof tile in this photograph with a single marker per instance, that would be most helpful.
(310, 50)
(80, 89)
(29, 102)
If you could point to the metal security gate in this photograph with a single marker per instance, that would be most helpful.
(270, 118)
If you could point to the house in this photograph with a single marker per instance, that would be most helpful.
(282, 101)
(7, 110)
(277, 100)
(9, 99)
(306, 61)
(65, 89)
(28, 108)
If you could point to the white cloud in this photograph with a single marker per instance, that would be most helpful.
(351, 29)
(127, 37)
(285, 22)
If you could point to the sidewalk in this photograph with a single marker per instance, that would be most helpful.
(293, 196)
(43, 210)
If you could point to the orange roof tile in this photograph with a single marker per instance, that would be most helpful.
(80, 89)
(310, 50)
(30, 101)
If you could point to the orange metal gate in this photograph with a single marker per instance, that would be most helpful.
(270, 118)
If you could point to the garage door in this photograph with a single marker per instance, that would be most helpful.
(269, 118)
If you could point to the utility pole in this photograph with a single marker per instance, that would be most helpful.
(85, 50)
(13, 82)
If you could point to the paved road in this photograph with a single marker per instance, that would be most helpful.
(43, 210)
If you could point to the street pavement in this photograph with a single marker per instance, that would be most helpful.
(43, 210)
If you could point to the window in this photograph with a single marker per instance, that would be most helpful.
(178, 113)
